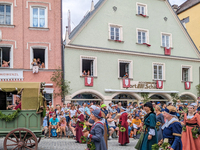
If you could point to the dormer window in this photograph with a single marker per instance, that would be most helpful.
(141, 9)
(115, 33)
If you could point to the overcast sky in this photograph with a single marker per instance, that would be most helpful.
(79, 8)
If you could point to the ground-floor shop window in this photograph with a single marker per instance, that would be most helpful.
(49, 98)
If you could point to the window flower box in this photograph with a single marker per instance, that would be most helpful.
(143, 15)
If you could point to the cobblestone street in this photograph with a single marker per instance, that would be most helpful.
(69, 144)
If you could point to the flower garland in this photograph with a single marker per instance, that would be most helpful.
(83, 139)
(90, 145)
(164, 146)
(81, 124)
(195, 133)
(158, 125)
(9, 117)
(121, 130)
(184, 128)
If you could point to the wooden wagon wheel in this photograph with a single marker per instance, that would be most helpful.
(20, 139)
(38, 140)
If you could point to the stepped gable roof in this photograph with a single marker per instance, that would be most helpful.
(84, 20)
(186, 5)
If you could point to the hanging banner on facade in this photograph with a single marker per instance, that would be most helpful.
(126, 83)
(88, 81)
(142, 85)
(11, 75)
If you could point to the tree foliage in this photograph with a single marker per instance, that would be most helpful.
(145, 97)
(175, 97)
(63, 86)
(198, 90)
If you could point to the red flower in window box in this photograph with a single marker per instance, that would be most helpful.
(143, 15)
(167, 51)
(118, 40)
(187, 85)
(147, 44)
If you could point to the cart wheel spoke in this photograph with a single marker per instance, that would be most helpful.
(12, 145)
(19, 135)
(15, 137)
(25, 136)
(12, 140)
(15, 147)
(28, 147)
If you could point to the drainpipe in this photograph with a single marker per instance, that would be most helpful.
(62, 48)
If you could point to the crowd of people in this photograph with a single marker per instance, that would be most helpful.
(152, 123)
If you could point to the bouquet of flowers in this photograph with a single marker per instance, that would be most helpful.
(83, 139)
(158, 125)
(195, 133)
(184, 128)
(164, 146)
(81, 124)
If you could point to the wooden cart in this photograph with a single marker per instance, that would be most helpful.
(24, 131)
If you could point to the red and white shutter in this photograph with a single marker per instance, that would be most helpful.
(88, 81)
(126, 83)
(159, 84)
(187, 85)
(167, 51)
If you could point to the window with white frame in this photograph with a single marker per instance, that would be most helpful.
(5, 14)
(115, 32)
(88, 66)
(41, 56)
(5, 57)
(166, 40)
(158, 71)
(141, 9)
(125, 69)
(142, 37)
(39, 17)
(186, 73)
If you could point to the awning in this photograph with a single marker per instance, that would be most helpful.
(137, 91)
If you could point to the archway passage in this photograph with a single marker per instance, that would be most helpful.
(86, 98)
(125, 99)
(159, 98)
(187, 98)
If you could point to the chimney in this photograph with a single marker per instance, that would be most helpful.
(92, 6)
(175, 7)
(67, 36)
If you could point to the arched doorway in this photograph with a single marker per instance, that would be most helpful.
(187, 98)
(159, 98)
(79, 99)
(125, 99)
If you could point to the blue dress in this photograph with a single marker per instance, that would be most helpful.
(97, 136)
(160, 118)
(173, 133)
(150, 122)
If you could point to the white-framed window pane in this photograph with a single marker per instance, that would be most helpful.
(167, 41)
(139, 37)
(112, 33)
(185, 72)
(155, 72)
(42, 17)
(143, 10)
(5, 14)
(1, 9)
(35, 17)
(143, 37)
(160, 72)
(42, 22)
(8, 20)
(8, 11)
(1, 19)
(163, 40)
(139, 10)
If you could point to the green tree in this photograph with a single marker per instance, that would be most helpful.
(198, 90)
(63, 86)
(145, 97)
(175, 97)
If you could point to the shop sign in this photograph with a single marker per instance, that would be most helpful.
(142, 85)
(11, 75)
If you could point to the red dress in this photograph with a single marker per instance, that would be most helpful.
(189, 143)
(79, 130)
(123, 136)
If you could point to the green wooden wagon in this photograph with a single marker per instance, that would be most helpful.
(23, 131)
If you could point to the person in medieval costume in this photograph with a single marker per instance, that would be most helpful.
(172, 129)
(96, 133)
(150, 134)
(123, 136)
(79, 127)
(191, 120)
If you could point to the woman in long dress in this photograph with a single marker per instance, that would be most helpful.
(160, 120)
(191, 120)
(123, 136)
(150, 135)
(172, 129)
(97, 131)
(79, 128)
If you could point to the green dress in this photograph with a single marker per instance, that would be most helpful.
(150, 122)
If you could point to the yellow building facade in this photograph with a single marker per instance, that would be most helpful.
(189, 14)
